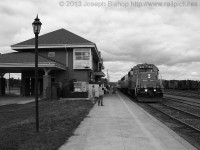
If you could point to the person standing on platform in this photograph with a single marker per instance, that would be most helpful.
(101, 93)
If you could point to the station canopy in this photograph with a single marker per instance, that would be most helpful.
(18, 61)
(99, 73)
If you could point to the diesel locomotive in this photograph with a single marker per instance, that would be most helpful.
(143, 83)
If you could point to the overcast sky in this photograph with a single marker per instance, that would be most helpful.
(126, 32)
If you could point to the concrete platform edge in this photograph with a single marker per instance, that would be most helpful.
(170, 131)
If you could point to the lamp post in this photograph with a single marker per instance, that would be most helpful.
(36, 30)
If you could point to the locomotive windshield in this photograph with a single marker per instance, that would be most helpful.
(146, 70)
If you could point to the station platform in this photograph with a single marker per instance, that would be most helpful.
(122, 125)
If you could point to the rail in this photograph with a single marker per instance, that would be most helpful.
(173, 117)
(184, 101)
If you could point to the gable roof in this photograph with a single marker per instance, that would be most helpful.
(57, 37)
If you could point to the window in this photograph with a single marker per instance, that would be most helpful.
(82, 58)
(146, 70)
(51, 54)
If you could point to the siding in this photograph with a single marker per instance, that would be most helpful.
(60, 54)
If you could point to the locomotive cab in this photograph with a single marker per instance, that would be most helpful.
(144, 83)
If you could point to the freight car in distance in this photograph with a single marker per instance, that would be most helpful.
(143, 83)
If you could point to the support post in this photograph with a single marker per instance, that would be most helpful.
(2, 84)
(46, 86)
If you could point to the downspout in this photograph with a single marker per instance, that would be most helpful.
(67, 62)
(66, 55)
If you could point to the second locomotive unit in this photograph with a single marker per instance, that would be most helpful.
(143, 82)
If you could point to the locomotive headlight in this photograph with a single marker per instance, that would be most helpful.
(154, 90)
(145, 90)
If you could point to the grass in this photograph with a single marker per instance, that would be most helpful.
(58, 120)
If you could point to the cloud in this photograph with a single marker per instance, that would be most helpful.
(117, 69)
(160, 43)
(181, 71)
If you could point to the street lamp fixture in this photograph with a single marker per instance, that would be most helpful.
(36, 30)
(36, 25)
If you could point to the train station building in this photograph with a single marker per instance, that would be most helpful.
(67, 65)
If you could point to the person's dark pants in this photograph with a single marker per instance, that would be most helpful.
(100, 101)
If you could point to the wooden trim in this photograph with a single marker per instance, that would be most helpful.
(32, 65)
(52, 46)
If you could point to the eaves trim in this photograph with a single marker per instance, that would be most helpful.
(32, 65)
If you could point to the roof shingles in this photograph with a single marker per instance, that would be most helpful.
(60, 36)
(23, 57)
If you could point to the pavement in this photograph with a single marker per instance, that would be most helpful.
(15, 99)
(122, 125)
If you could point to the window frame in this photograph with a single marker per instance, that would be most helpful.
(82, 61)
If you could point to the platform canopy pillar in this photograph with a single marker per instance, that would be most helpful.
(2, 83)
(2, 74)
(47, 84)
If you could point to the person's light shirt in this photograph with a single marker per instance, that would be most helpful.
(101, 92)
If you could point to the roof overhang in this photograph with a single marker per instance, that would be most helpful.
(99, 73)
(41, 46)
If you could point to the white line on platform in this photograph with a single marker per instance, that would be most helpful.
(155, 143)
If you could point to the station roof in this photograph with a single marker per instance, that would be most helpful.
(60, 38)
(57, 37)
(26, 60)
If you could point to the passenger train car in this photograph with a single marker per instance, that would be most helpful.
(142, 82)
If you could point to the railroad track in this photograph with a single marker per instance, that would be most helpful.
(187, 94)
(184, 91)
(187, 118)
(192, 120)
(187, 126)
(195, 103)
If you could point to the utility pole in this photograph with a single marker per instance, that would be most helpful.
(108, 77)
